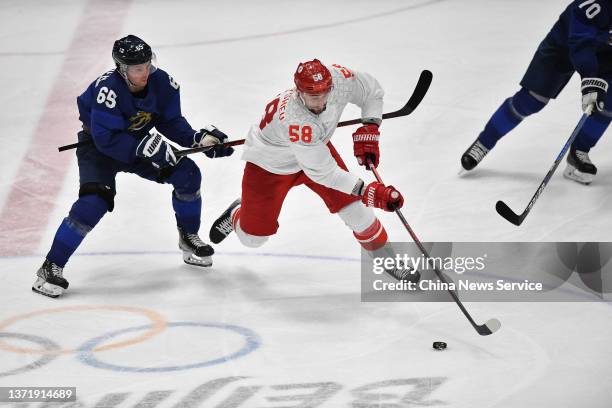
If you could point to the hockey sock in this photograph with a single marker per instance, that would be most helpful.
(373, 237)
(508, 116)
(248, 240)
(236, 218)
(85, 213)
(591, 132)
(187, 209)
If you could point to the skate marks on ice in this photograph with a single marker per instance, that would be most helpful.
(313, 330)
(496, 176)
(330, 25)
(407, 389)
(412, 391)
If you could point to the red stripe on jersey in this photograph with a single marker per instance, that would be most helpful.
(235, 218)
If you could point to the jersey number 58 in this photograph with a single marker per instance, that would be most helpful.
(294, 133)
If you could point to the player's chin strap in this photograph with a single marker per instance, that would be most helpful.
(301, 97)
(306, 106)
(492, 325)
(122, 69)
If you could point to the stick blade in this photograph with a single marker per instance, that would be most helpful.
(419, 92)
(506, 212)
(490, 327)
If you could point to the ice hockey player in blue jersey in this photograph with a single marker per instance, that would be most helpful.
(581, 40)
(118, 112)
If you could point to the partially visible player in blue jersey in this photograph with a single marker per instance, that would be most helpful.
(118, 111)
(581, 40)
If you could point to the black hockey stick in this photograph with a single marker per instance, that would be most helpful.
(506, 212)
(415, 99)
(73, 146)
(492, 325)
(417, 96)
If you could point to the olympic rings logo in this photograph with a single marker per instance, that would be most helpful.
(158, 324)
(86, 353)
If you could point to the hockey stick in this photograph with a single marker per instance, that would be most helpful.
(492, 325)
(415, 99)
(516, 219)
(72, 146)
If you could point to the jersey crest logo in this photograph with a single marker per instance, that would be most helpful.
(140, 120)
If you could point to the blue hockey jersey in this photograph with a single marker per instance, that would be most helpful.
(584, 30)
(118, 119)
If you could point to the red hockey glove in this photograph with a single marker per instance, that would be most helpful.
(365, 145)
(380, 196)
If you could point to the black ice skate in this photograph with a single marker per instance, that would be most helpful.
(195, 252)
(579, 167)
(473, 155)
(222, 226)
(404, 273)
(50, 281)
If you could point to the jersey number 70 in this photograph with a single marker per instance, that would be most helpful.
(592, 10)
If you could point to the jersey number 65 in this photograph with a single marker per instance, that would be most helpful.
(107, 97)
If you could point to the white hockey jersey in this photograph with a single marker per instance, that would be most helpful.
(290, 138)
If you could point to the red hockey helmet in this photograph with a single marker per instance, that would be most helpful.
(312, 77)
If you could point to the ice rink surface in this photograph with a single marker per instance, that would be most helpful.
(283, 326)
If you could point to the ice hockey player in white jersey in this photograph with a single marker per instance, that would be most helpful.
(291, 146)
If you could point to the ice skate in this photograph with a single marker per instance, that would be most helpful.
(403, 272)
(195, 252)
(222, 226)
(473, 155)
(50, 281)
(579, 167)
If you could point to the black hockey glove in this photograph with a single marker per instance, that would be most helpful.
(210, 136)
(156, 149)
(594, 91)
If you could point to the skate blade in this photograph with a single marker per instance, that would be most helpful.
(408, 274)
(191, 259)
(47, 289)
(572, 173)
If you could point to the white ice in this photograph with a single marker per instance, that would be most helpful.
(299, 296)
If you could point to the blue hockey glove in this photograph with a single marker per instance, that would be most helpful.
(157, 150)
(594, 92)
(210, 136)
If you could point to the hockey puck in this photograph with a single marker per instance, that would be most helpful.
(439, 345)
